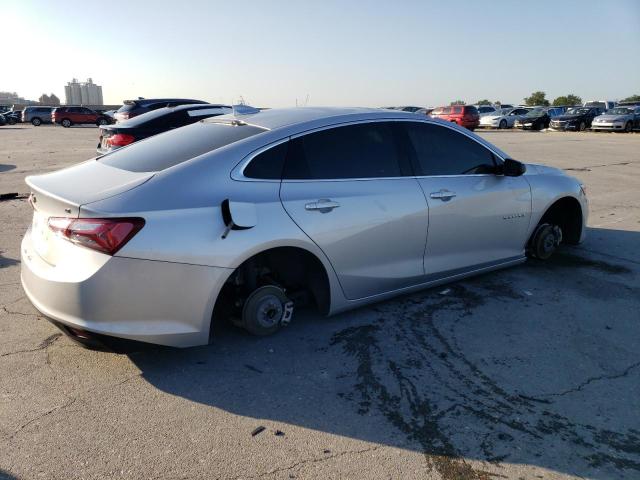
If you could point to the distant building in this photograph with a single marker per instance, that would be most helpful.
(83, 93)
(9, 98)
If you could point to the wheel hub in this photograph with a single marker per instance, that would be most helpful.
(269, 311)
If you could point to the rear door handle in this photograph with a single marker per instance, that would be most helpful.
(443, 195)
(324, 205)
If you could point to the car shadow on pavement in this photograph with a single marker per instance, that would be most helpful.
(7, 262)
(535, 365)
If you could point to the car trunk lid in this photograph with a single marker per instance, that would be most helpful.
(62, 193)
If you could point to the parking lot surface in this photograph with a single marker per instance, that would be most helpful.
(526, 373)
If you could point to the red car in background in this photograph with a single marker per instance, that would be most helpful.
(67, 116)
(466, 116)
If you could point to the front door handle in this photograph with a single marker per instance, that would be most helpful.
(324, 205)
(443, 195)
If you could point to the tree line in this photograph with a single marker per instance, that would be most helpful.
(540, 98)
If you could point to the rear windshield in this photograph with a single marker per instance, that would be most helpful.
(470, 109)
(177, 146)
(127, 107)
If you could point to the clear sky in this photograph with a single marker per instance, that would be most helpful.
(365, 53)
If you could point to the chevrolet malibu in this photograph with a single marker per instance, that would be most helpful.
(252, 215)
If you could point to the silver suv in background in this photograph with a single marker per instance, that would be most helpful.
(37, 115)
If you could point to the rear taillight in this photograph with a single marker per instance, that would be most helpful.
(120, 139)
(106, 235)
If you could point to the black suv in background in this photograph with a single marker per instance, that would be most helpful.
(133, 108)
(152, 123)
(578, 119)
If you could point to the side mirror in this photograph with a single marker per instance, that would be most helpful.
(513, 168)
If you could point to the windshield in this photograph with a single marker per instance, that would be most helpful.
(536, 112)
(619, 111)
(577, 111)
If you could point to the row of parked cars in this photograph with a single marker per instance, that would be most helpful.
(596, 115)
(65, 116)
(118, 128)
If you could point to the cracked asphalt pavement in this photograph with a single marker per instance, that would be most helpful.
(527, 373)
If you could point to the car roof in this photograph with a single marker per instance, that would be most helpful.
(161, 112)
(149, 101)
(188, 106)
(276, 118)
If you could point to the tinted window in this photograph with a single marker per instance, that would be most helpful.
(177, 146)
(443, 151)
(366, 150)
(268, 164)
(471, 110)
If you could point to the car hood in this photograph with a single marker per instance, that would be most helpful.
(530, 119)
(612, 118)
(565, 118)
(491, 117)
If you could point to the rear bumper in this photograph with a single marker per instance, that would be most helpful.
(467, 124)
(146, 301)
(103, 151)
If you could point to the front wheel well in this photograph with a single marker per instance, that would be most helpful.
(297, 271)
(567, 214)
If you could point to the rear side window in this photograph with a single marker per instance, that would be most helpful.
(443, 151)
(457, 109)
(269, 164)
(177, 146)
(367, 150)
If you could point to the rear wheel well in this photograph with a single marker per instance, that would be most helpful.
(567, 214)
(299, 272)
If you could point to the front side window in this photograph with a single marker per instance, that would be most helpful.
(367, 150)
(443, 151)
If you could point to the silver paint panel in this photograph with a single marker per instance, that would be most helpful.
(374, 240)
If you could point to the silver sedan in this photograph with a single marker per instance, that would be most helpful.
(251, 215)
(504, 119)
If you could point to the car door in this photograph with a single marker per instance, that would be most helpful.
(350, 189)
(476, 217)
(636, 118)
(89, 115)
(74, 114)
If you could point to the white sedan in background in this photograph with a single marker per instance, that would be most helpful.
(504, 119)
